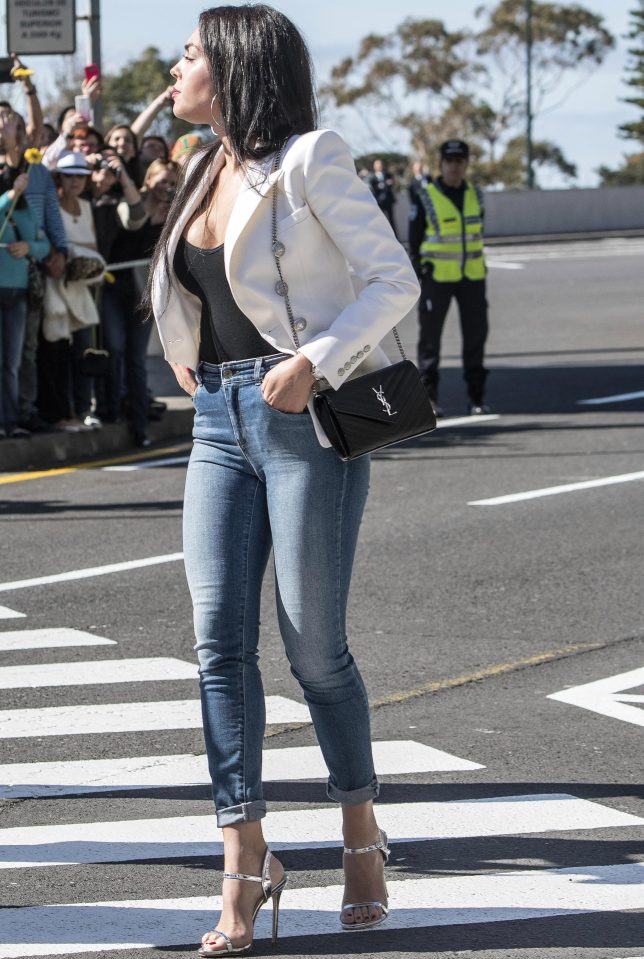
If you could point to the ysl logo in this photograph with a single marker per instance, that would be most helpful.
(383, 399)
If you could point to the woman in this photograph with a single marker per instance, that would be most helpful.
(69, 309)
(122, 139)
(125, 333)
(20, 239)
(261, 470)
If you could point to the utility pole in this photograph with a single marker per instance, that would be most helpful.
(95, 53)
(528, 43)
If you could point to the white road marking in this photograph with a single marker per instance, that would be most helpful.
(616, 398)
(56, 638)
(190, 836)
(571, 250)
(89, 572)
(152, 669)
(289, 764)
(608, 697)
(126, 717)
(414, 904)
(147, 464)
(556, 490)
(503, 264)
(466, 420)
(6, 613)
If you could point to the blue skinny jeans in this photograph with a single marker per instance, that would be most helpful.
(259, 478)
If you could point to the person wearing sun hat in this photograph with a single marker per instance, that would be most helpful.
(69, 308)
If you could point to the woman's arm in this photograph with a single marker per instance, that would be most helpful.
(348, 212)
(40, 247)
(145, 118)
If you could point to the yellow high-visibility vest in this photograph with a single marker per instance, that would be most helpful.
(453, 241)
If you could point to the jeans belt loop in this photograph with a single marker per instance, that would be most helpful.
(259, 361)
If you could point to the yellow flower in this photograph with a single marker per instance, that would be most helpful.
(33, 155)
(109, 277)
(19, 72)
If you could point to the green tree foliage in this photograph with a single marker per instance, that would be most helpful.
(632, 170)
(125, 94)
(630, 174)
(129, 91)
(635, 70)
(434, 83)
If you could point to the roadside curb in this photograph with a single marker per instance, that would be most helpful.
(44, 451)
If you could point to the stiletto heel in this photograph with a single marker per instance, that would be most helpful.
(276, 912)
(269, 891)
(383, 848)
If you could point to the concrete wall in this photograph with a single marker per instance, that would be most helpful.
(553, 212)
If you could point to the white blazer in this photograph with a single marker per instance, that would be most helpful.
(329, 222)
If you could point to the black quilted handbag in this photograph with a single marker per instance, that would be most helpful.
(371, 411)
(375, 410)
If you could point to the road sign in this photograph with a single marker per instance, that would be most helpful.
(41, 26)
(610, 697)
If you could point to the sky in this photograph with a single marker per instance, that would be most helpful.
(585, 125)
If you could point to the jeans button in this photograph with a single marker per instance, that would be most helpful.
(228, 374)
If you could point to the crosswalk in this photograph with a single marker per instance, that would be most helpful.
(121, 923)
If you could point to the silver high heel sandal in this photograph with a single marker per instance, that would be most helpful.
(381, 844)
(268, 892)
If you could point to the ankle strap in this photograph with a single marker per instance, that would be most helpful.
(265, 877)
(242, 875)
(380, 844)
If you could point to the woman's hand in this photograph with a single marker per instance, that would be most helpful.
(91, 88)
(185, 378)
(18, 249)
(19, 186)
(287, 386)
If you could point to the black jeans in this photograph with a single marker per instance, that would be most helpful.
(434, 303)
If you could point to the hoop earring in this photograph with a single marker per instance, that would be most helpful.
(216, 133)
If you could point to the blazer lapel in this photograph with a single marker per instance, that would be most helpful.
(255, 189)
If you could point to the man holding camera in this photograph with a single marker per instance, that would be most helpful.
(446, 246)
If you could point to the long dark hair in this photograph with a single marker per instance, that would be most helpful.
(261, 72)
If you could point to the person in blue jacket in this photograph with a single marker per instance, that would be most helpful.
(21, 239)
(43, 199)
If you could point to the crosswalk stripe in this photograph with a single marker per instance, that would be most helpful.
(6, 613)
(414, 903)
(189, 836)
(152, 669)
(291, 763)
(50, 639)
(127, 717)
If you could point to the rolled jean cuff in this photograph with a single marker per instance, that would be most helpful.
(352, 797)
(245, 812)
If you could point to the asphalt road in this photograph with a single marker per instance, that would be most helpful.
(517, 819)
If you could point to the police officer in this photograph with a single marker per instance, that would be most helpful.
(446, 245)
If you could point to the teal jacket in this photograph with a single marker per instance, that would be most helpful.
(13, 271)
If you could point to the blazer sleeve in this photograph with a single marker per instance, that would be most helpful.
(347, 210)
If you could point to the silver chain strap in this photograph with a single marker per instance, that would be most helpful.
(278, 249)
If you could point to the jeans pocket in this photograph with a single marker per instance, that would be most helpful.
(273, 409)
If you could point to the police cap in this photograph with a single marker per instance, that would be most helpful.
(454, 148)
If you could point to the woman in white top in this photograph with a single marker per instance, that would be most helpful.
(262, 472)
(69, 309)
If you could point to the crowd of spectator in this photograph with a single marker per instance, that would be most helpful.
(80, 212)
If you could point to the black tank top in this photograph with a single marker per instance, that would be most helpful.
(226, 333)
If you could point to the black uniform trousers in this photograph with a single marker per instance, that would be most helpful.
(434, 303)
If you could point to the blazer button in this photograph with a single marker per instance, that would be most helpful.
(281, 288)
(341, 372)
(299, 324)
(354, 359)
(367, 348)
(278, 248)
(360, 354)
(347, 366)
